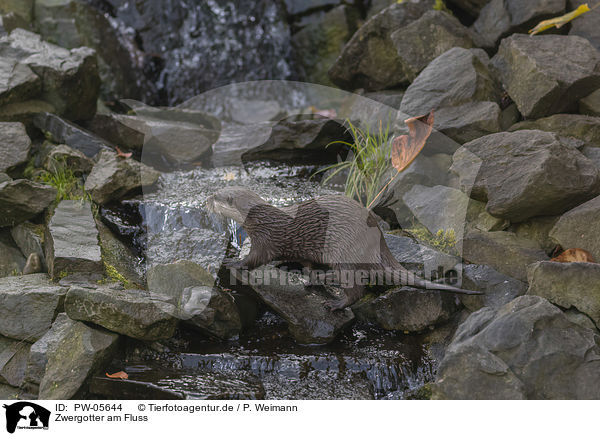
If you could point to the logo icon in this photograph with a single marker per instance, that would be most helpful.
(26, 415)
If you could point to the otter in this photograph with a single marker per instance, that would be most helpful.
(332, 230)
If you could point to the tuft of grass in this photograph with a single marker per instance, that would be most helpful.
(68, 186)
(443, 240)
(439, 5)
(369, 164)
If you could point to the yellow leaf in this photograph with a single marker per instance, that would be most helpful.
(560, 21)
(229, 177)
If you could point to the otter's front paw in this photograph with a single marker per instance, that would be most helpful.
(233, 263)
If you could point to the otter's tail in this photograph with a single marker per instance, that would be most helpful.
(426, 284)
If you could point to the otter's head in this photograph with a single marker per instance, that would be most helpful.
(234, 202)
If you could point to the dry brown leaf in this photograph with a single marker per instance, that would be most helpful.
(121, 154)
(574, 255)
(406, 148)
(328, 113)
(121, 374)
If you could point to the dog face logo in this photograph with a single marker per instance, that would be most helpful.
(26, 415)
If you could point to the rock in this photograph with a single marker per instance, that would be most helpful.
(473, 373)
(14, 145)
(498, 289)
(527, 340)
(117, 255)
(70, 80)
(590, 105)
(469, 121)
(309, 321)
(585, 25)
(25, 112)
(235, 140)
(318, 44)
(112, 177)
(538, 230)
(62, 156)
(516, 173)
(579, 228)
(11, 259)
(304, 138)
(10, 393)
(4, 177)
(296, 8)
(117, 129)
(426, 38)
(406, 309)
(539, 76)
(71, 240)
(442, 208)
(471, 7)
(130, 312)
(17, 82)
(13, 361)
(568, 285)
(23, 199)
(503, 251)
(211, 310)
(73, 23)
(500, 18)
(23, 8)
(33, 264)
(420, 258)
(593, 154)
(78, 353)
(64, 132)
(568, 126)
(370, 60)
(457, 77)
(28, 305)
(172, 279)
(28, 238)
(12, 21)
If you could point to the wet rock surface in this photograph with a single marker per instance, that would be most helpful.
(527, 349)
(71, 240)
(15, 146)
(498, 289)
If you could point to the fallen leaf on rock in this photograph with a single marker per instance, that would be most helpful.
(328, 113)
(121, 374)
(558, 22)
(406, 148)
(574, 255)
(121, 154)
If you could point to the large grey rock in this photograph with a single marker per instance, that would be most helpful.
(172, 279)
(443, 208)
(318, 44)
(547, 74)
(17, 82)
(370, 60)
(24, 112)
(426, 38)
(130, 312)
(498, 289)
(574, 128)
(587, 25)
(112, 177)
(457, 77)
(64, 132)
(590, 105)
(61, 156)
(503, 251)
(406, 309)
(538, 230)
(469, 121)
(525, 349)
(28, 305)
(568, 285)
(516, 174)
(71, 240)
(499, 18)
(579, 228)
(309, 320)
(14, 145)
(23, 199)
(70, 80)
(78, 353)
(11, 258)
(23, 8)
(471, 7)
(304, 138)
(236, 139)
(13, 361)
